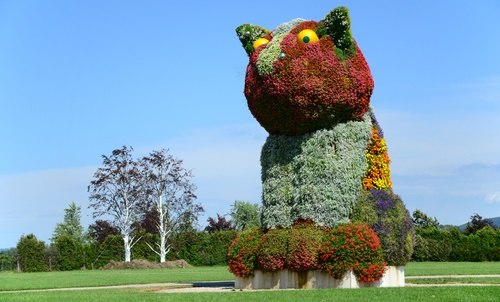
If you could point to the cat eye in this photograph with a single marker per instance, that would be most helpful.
(259, 42)
(307, 36)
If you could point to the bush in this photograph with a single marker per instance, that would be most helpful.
(202, 248)
(141, 250)
(242, 252)
(386, 214)
(304, 243)
(272, 251)
(31, 254)
(101, 253)
(70, 253)
(352, 246)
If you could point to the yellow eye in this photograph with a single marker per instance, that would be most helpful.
(307, 36)
(259, 42)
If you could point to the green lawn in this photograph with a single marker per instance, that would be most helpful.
(476, 280)
(365, 294)
(451, 268)
(21, 281)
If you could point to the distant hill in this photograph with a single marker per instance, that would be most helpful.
(495, 220)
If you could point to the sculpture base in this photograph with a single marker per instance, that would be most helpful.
(393, 277)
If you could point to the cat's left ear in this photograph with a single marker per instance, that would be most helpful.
(337, 25)
(248, 34)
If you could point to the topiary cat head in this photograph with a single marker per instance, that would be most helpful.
(305, 75)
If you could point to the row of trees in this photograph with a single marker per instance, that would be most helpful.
(72, 247)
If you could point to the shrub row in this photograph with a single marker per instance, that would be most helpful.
(451, 244)
(197, 248)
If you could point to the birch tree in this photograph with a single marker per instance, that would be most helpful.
(170, 191)
(116, 191)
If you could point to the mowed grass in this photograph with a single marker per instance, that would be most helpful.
(468, 280)
(24, 281)
(365, 294)
(92, 278)
(452, 268)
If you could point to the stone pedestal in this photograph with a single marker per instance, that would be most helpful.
(393, 277)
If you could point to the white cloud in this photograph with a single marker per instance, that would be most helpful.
(493, 197)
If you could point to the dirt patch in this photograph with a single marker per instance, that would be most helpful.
(144, 264)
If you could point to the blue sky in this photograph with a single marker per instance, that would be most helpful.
(81, 78)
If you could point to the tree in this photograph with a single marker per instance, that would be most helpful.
(116, 191)
(31, 253)
(71, 226)
(245, 214)
(170, 193)
(422, 220)
(219, 224)
(101, 229)
(7, 260)
(477, 223)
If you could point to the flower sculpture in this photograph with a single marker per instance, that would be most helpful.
(325, 160)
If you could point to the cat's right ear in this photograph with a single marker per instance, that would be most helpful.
(248, 33)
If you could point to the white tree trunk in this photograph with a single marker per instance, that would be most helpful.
(163, 252)
(127, 246)
(162, 230)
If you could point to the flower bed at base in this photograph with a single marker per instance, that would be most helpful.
(352, 249)
(394, 276)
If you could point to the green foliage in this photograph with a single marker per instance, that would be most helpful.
(101, 253)
(245, 215)
(31, 253)
(248, 33)
(337, 24)
(314, 176)
(422, 220)
(8, 260)
(272, 251)
(431, 249)
(202, 248)
(70, 253)
(71, 226)
(452, 244)
(141, 250)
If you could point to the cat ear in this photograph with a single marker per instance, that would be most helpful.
(248, 33)
(337, 24)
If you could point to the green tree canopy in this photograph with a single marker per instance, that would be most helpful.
(422, 220)
(71, 226)
(245, 215)
(31, 253)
